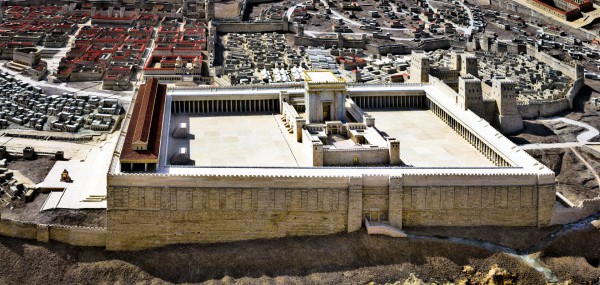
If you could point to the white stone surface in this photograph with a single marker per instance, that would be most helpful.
(89, 179)
(426, 141)
(235, 140)
(322, 76)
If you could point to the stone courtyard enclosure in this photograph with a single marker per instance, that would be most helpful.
(233, 140)
(426, 141)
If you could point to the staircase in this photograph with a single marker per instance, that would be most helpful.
(382, 228)
(94, 198)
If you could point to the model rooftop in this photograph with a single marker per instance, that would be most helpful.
(321, 76)
(142, 142)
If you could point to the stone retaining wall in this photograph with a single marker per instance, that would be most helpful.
(154, 210)
(569, 215)
(80, 236)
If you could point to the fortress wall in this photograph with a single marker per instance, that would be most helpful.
(446, 201)
(310, 41)
(403, 49)
(470, 206)
(81, 236)
(174, 209)
(18, 229)
(251, 27)
(572, 93)
(435, 44)
(542, 108)
(387, 49)
(569, 215)
(142, 217)
(554, 63)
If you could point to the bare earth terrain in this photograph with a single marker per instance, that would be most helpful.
(345, 258)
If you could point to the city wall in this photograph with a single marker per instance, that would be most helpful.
(569, 215)
(543, 108)
(80, 236)
(403, 49)
(154, 210)
(554, 63)
(158, 210)
(250, 27)
(339, 41)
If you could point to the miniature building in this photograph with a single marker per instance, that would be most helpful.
(509, 119)
(419, 67)
(142, 144)
(324, 97)
(462, 78)
(290, 168)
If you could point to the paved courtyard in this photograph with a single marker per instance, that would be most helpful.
(426, 141)
(235, 140)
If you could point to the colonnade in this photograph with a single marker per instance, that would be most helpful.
(368, 102)
(138, 167)
(474, 140)
(225, 106)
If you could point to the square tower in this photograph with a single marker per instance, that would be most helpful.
(456, 60)
(470, 95)
(469, 65)
(324, 96)
(419, 67)
(509, 119)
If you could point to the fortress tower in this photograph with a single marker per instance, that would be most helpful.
(419, 67)
(470, 95)
(469, 65)
(210, 10)
(456, 60)
(503, 91)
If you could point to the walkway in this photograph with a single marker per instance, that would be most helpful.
(582, 138)
(589, 167)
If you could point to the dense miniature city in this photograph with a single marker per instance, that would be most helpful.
(218, 141)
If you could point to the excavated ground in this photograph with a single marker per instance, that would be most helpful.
(354, 258)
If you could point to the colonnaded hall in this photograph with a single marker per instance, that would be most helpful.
(206, 164)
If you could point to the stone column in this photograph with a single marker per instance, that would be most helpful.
(546, 197)
(395, 202)
(355, 195)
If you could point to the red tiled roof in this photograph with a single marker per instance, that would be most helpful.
(145, 124)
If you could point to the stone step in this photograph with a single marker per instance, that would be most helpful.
(380, 228)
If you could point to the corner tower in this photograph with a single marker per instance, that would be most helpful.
(470, 95)
(419, 67)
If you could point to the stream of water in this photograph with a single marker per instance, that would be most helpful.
(530, 256)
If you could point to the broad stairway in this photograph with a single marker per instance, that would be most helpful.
(382, 228)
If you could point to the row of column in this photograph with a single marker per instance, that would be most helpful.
(138, 167)
(474, 140)
(228, 106)
(367, 102)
